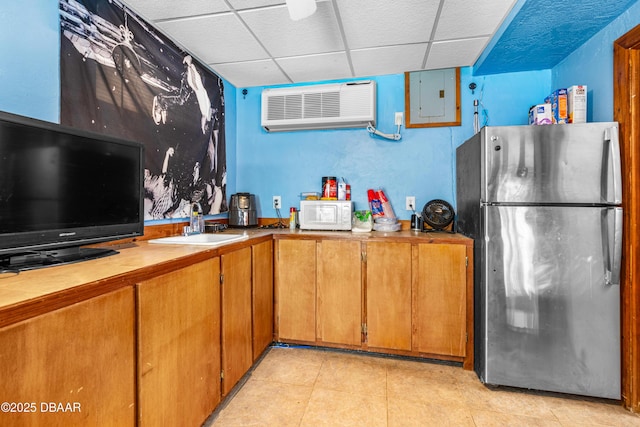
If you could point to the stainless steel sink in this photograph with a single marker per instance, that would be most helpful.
(201, 239)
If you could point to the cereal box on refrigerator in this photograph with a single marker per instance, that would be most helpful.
(559, 111)
(577, 103)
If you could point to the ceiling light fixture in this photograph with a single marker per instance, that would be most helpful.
(300, 9)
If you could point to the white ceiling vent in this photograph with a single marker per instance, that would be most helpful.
(327, 106)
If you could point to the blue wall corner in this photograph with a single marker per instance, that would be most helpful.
(30, 59)
(422, 164)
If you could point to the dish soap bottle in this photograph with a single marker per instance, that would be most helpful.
(197, 218)
(292, 218)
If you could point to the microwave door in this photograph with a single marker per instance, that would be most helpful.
(325, 215)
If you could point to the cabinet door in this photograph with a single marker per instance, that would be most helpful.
(179, 346)
(296, 290)
(237, 353)
(440, 299)
(262, 279)
(339, 292)
(81, 355)
(389, 295)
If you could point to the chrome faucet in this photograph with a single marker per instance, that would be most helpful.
(196, 220)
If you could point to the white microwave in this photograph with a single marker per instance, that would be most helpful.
(325, 214)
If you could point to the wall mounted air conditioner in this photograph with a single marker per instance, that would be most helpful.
(327, 106)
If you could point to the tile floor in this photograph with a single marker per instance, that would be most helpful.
(315, 387)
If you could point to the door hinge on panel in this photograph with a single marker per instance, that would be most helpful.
(221, 279)
(363, 256)
(466, 261)
(221, 375)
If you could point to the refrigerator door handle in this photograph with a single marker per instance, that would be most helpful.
(614, 249)
(611, 136)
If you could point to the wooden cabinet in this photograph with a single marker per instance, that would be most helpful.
(262, 297)
(319, 291)
(179, 346)
(388, 290)
(80, 357)
(237, 353)
(153, 352)
(440, 303)
(296, 290)
(410, 297)
(339, 292)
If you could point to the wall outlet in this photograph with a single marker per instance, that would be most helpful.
(399, 118)
(410, 203)
(277, 202)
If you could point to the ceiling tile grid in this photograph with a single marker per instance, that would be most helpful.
(328, 66)
(255, 43)
(243, 74)
(208, 38)
(283, 37)
(154, 10)
(461, 19)
(383, 23)
(455, 53)
(388, 59)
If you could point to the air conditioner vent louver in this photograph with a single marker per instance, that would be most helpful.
(343, 105)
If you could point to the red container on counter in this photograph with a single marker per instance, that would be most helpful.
(329, 188)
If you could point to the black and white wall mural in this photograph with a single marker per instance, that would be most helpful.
(121, 77)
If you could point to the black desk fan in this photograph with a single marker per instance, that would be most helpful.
(437, 214)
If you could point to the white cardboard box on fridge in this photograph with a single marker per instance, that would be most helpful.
(577, 103)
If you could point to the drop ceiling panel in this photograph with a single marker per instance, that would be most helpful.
(458, 53)
(316, 67)
(215, 39)
(233, 34)
(283, 37)
(478, 19)
(369, 23)
(252, 73)
(388, 60)
(162, 9)
(251, 4)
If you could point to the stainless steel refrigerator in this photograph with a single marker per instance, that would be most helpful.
(543, 206)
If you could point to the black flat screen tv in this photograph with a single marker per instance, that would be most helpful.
(62, 189)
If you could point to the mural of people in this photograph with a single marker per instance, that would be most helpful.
(121, 77)
(191, 84)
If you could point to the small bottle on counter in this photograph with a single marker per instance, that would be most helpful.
(342, 190)
(292, 218)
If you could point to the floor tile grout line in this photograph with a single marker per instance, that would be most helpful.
(313, 387)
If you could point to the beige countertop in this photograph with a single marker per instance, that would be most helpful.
(33, 292)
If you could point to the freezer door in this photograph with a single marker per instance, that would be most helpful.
(577, 163)
(551, 300)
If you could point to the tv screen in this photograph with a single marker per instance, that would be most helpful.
(64, 188)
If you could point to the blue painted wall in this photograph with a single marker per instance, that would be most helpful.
(29, 59)
(421, 164)
(285, 164)
(592, 65)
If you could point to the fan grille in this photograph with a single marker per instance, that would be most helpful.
(437, 214)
